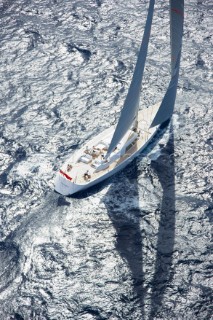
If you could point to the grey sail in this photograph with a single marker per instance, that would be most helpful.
(176, 32)
(130, 108)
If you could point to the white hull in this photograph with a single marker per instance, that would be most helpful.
(65, 186)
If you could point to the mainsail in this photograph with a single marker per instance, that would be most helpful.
(176, 32)
(130, 109)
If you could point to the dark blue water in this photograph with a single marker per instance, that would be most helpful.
(139, 245)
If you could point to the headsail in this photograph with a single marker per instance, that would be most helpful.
(131, 104)
(176, 32)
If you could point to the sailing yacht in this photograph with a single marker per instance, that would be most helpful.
(113, 149)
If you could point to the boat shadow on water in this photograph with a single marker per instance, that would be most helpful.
(130, 239)
(163, 270)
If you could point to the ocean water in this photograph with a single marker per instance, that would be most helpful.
(137, 246)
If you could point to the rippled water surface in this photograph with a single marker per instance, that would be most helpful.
(139, 245)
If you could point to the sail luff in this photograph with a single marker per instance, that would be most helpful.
(176, 32)
(131, 104)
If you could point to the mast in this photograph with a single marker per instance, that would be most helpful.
(176, 33)
(130, 108)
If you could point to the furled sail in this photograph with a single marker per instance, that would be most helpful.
(176, 32)
(131, 104)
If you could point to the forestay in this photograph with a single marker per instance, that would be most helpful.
(131, 104)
